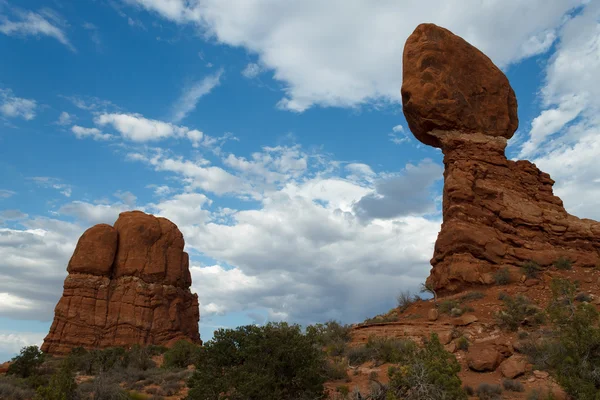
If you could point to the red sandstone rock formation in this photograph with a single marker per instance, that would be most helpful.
(127, 284)
(497, 213)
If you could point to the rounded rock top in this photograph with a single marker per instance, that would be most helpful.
(449, 85)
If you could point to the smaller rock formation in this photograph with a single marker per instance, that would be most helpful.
(127, 284)
(497, 213)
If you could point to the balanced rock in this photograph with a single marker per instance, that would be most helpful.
(497, 213)
(128, 284)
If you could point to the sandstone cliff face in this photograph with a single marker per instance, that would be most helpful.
(127, 284)
(497, 213)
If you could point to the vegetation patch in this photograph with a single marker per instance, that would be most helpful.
(502, 276)
(519, 311)
(513, 385)
(563, 263)
(429, 373)
(531, 269)
(488, 391)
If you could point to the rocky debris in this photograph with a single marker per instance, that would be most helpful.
(497, 213)
(464, 320)
(513, 367)
(127, 284)
(541, 374)
(445, 337)
(482, 358)
(433, 314)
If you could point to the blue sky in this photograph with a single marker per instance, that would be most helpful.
(271, 132)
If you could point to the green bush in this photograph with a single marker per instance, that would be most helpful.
(139, 357)
(502, 276)
(389, 350)
(563, 263)
(27, 362)
(531, 269)
(519, 311)
(429, 373)
(109, 358)
(336, 370)
(62, 385)
(447, 306)
(462, 344)
(182, 354)
(572, 350)
(272, 362)
(359, 355)
(331, 335)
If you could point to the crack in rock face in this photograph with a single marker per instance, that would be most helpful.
(497, 214)
(128, 284)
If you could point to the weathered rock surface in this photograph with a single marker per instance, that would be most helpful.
(483, 358)
(127, 284)
(497, 213)
(513, 367)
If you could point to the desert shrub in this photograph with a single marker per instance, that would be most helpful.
(487, 391)
(170, 388)
(531, 269)
(472, 296)
(534, 394)
(358, 355)
(109, 358)
(27, 362)
(140, 357)
(429, 373)
(272, 362)
(156, 350)
(563, 263)
(336, 370)
(502, 276)
(390, 350)
(572, 351)
(389, 317)
(103, 387)
(469, 390)
(537, 394)
(82, 360)
(62, 385)
(182, 354)
(343, 390)
(377, 391)
(447, 306)
(583, 297)
(503, 295)
(519, 311)
(12, 387)
(462, 343)
(512, 385)
(405, 299)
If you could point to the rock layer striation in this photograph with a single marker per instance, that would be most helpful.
(128, 284)
(497, 213)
